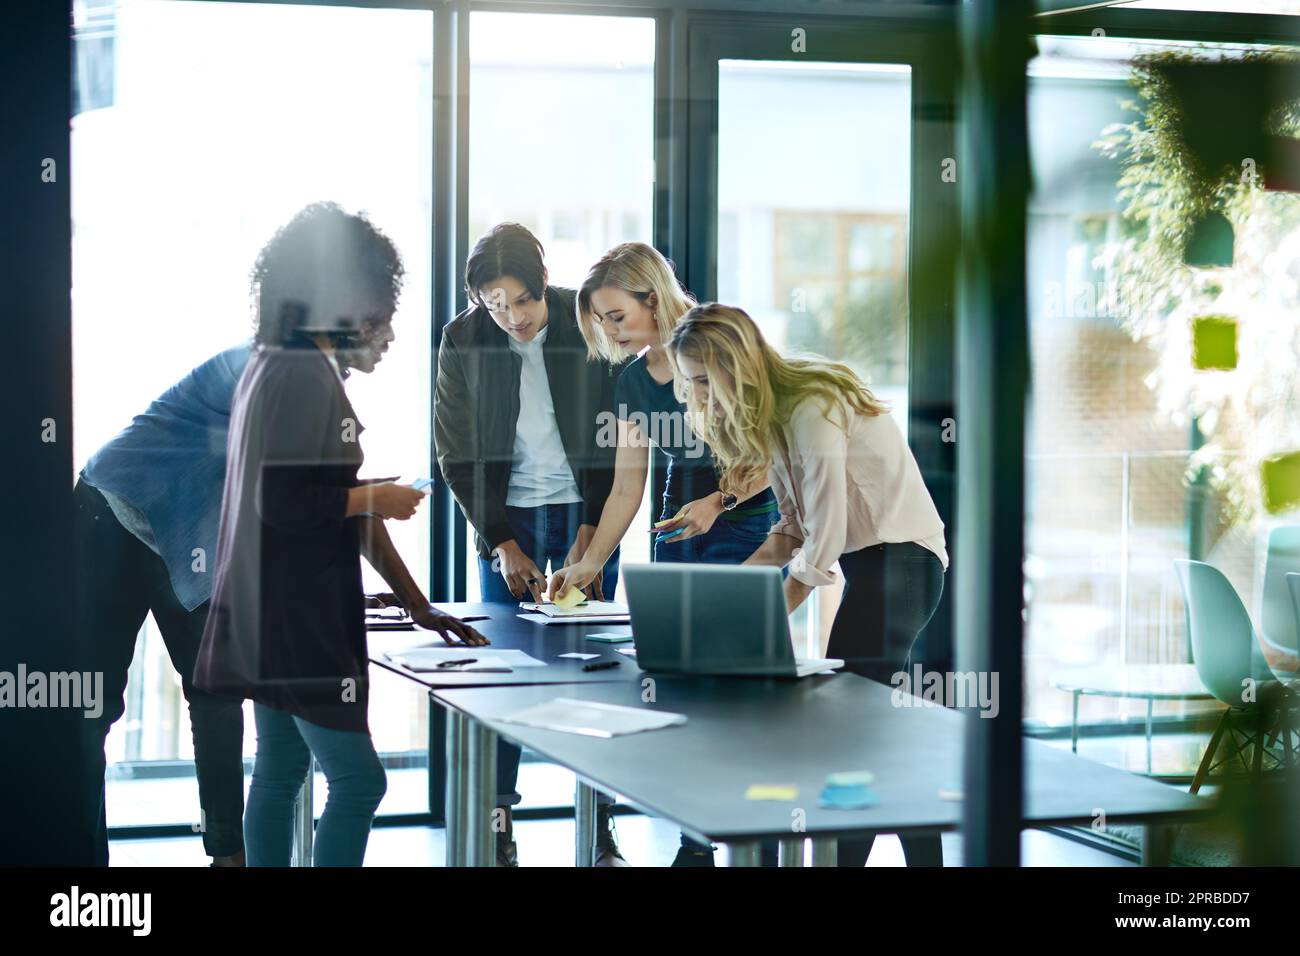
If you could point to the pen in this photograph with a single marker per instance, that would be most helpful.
(669, 537)
(603, 665)
(458, 663)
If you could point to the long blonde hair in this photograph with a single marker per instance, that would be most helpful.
(637, 269)
(753, 390)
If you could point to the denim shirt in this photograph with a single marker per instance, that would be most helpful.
(170, 464)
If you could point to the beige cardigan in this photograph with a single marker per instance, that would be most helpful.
(846, 481)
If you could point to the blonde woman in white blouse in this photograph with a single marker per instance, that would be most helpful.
(847, 485)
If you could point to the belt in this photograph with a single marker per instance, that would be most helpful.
(764, 509)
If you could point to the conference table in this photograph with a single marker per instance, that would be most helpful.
(742, 732)
(507, 630)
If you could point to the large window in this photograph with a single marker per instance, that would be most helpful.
(813, 221)
(813, 224)
(562, 140)
(1114, 494)
(202, 128)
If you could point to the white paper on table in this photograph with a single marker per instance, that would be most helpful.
(592, 719)
(590, 609)
(560, 619)
(428, 658)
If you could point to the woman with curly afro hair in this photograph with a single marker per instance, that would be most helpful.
(287, 622)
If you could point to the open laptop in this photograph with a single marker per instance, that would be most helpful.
(713, 619)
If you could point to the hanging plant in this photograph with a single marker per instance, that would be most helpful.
(1171, 198)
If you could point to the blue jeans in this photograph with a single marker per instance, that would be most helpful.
(729, 541)
(545, 534)
(119, 582)
(356, 778)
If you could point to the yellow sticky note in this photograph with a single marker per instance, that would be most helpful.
(569, 599)
(1214, 342)
(1280, 481)
(771, 791)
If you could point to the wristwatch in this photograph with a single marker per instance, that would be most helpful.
(729, 502)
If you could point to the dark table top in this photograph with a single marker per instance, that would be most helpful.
(506, 629)
(744, 731)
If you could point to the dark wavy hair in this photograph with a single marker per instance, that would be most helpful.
(324, 254)
(508, 249)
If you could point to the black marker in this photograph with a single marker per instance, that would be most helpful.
(603, 665)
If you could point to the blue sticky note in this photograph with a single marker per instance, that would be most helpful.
(855, 797)
(610, 638)
(850, 778)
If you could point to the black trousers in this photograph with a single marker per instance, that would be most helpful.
(119, 581)
(890, 593)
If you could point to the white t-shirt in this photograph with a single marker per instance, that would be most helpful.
(539, 471)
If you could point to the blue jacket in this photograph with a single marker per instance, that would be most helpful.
(170, 464)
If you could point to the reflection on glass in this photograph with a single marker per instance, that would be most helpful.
(562, 141)
(813, 222)
(1277, 7)
(201, 128)
(1114, 493)
(819, 257)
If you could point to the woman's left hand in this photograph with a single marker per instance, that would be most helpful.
(695, 517)
(452, 629)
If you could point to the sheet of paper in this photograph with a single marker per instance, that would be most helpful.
(593, 719)
(388, 619)
(590, 609)
(569, 619)
(428, 658)
(575, 656)
(372, 625)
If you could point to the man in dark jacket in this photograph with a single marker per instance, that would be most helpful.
(516, 413)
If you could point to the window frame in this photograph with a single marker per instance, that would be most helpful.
(689, 35)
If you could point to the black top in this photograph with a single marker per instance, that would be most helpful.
(287, 621)
(653, 406)
(476, 410)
